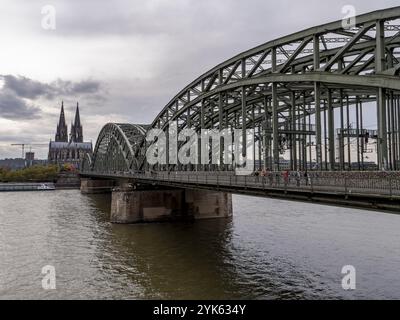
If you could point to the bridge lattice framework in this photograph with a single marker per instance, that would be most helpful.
(296, 92)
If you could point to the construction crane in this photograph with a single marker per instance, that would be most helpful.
(30, 145)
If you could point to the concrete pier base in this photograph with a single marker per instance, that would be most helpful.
(208, 204)
(92, 186)
(135, 206)
(145, 205)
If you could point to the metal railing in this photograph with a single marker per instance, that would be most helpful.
(388, 186)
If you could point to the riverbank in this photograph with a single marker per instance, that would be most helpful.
(33, 174)
(11, 187)
(64, 181)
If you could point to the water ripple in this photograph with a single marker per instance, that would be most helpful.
(271, 249)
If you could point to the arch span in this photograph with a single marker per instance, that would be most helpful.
(306, 96)
(119, 148)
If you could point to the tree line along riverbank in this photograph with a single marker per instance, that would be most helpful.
(38, 173)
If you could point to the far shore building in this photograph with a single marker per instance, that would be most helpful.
(72, 149)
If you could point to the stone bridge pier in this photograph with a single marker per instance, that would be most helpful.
(132, 206)
(145, 203)
(93, 186)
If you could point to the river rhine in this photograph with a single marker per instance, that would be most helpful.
(271, 249)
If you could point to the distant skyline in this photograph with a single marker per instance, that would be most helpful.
(124, 60)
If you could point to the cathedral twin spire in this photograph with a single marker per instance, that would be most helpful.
(76, 127)
(62, 129)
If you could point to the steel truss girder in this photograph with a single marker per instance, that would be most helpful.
(128, 138)
(268, 81)
(210, 79)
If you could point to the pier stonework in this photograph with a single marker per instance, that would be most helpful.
(203, 204)
(129, 206)
(133, 206)
(92, 186)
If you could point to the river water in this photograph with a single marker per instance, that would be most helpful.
(271, 249)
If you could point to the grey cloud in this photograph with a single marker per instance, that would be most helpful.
(13, 107)
(243, 19)
(86, 87)
(69, 88)
(24, 87)
(196, 18)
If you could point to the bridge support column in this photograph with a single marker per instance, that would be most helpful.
(203, 204)
(146, 205)
(133, 206)
(91, 186)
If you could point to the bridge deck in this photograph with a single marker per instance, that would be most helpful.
(365, 191)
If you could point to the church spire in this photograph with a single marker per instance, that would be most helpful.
(77, 130)
(62, 115)
(77, 116)
(62, 129)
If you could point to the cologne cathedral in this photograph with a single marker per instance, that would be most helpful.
(72, 149)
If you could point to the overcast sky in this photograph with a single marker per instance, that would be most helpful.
(123, 60)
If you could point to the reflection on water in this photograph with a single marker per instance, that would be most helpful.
(270, 249)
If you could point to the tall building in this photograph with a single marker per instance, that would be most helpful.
(72, 150)
(62, 129)
(76, 127)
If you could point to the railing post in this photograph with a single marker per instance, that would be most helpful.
(345, 185)
(390, 186)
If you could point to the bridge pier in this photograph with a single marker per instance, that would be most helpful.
(92, 186)
(202, 204)
(129, 206)
(133, 206)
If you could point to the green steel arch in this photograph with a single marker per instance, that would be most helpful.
(118, 148)
(290, 89)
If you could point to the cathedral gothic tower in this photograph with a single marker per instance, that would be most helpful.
(62, 129)
(76, 128)
(69, 151)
